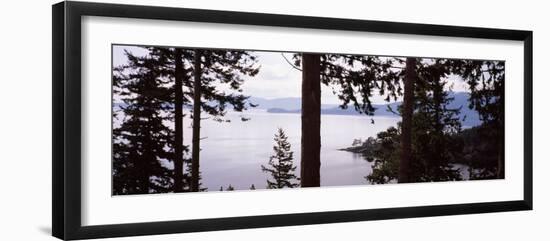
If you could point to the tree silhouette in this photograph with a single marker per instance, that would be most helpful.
(213, 69)
(435, 126)
(485, 79)
(220, 73)
(280, 165)
(141, 141)
(437, 140)
(177, 78)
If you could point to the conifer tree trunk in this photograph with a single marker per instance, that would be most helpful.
(146, 160)
(438, 102)
(196, 122)
(178, 123)
(406, 124)
(144, 173)
(311, 121)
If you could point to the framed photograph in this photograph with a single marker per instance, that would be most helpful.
(171, 120)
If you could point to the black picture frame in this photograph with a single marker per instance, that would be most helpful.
(66, 128)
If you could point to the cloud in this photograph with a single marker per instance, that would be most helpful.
(276, 78)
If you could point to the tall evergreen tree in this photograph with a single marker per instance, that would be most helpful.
(485, 79)
(435, 126)
(141, 141)
(221, 75)
(433, 130)
(280, 165)
(218, 76)
(176, 73)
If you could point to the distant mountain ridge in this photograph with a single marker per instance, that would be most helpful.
(468, 117)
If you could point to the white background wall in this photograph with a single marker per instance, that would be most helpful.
(25, 120)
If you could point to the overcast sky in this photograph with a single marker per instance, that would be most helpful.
(276, 79)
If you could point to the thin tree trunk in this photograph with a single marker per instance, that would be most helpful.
(406, 124)
(144, 173)
(435, 168)
(178, 123)
(147, 158)
(196, 123)
(311, 121)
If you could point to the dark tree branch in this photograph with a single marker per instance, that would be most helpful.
(288, 61)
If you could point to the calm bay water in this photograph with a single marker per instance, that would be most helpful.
(231, 153)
